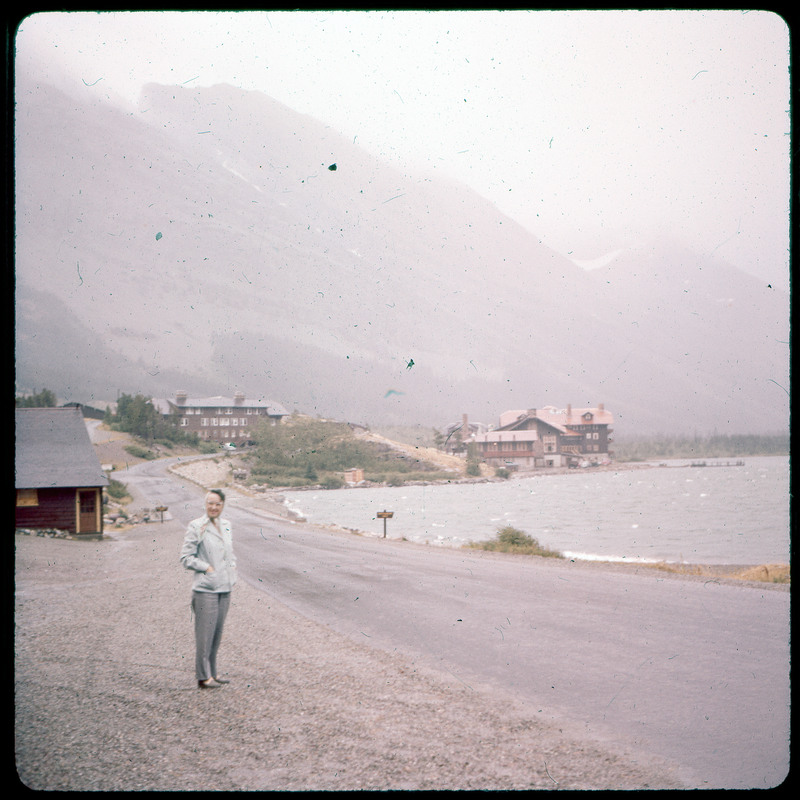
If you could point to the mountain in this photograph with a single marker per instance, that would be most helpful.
(216, 240)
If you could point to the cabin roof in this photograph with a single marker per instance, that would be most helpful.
(53, 450)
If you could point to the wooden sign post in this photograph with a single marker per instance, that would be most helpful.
(384, 515)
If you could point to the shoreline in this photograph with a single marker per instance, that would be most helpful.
(272, 503)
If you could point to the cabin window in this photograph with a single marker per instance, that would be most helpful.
(27, 497)
(87, 501)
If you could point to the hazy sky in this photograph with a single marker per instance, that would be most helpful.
(595, 129)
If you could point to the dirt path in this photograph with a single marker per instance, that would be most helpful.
(430, 454)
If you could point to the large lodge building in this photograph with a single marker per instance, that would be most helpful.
(221, 419)
(547, 437)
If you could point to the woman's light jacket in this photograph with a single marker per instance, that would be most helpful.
(205, 546)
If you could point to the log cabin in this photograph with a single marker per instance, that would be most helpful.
(58, 478)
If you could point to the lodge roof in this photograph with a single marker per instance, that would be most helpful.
(53, 450)
(220, 401)
(576, 416)
(560, 419)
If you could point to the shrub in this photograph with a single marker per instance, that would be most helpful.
(512, 540)
(117, 489)
(139, 452)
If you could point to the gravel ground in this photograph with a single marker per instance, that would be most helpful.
(106, 698)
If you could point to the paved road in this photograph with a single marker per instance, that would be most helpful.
(695, 672)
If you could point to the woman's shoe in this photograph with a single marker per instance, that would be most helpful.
(211, 683)
(221, 680)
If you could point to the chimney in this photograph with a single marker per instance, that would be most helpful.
(601, 406)
(238, 399)
(464, 427)
(180, 398)
(569, 411)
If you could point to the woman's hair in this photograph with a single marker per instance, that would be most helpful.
(218, 492)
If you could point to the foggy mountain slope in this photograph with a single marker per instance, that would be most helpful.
(134, 207)
(413, 249)
(724, 331)
(56, 348)
(206, 238)
(282, 263)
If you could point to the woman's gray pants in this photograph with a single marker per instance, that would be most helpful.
(210, 610)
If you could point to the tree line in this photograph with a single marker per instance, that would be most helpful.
(710, 446)
(138, 416)
(44, 399)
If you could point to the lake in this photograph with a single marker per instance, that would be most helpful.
(714, 514)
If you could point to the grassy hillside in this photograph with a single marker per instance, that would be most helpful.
(303, 451)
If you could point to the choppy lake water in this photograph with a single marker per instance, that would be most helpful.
(676, 512)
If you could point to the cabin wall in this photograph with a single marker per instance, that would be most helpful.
(54, 508)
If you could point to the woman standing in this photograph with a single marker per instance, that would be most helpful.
(208, 551)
